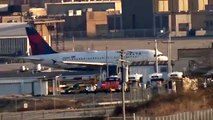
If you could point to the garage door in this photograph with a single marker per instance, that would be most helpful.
(10, 89)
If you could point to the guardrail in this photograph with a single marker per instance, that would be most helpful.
(103, 113)
(54, 114)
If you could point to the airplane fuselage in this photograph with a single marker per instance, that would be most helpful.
(110, 56)
(43, 54)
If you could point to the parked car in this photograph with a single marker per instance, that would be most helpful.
(76, 88)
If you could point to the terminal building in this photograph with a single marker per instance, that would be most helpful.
(13, 39)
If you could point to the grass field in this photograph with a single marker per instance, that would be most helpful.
(172, 103)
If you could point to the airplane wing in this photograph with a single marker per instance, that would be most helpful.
(84, 63)
(57, 64)
(30, 58)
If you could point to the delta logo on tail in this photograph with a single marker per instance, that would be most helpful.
(38, 45)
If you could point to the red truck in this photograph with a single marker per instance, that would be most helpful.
(112, 84)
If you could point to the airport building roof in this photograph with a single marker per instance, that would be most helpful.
(12, 29)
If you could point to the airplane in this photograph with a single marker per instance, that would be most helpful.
(43, 54)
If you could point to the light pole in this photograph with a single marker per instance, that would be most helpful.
(123, 78)
(169, 42)
(123, 85)
(169, 51)
(156, 57)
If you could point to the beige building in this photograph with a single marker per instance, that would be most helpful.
(177, 6)
(11, 19)
(96, 23)
(38, 11)
(184, 15)
(180, 16)
(197, 60)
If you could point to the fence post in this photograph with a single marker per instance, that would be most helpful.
(207, 114)
(64, 113)
(107, 117)
(184, 116)
(197, 115)
(204, 114)
(173, 117)
(133, 116)
(191, 116)
(43, 114)
(201, 115)
(22, 116)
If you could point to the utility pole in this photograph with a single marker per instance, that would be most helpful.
(169, 52)
(73, 42)
(107, 65)
(169, 43)
(123, 82)
(56, 33)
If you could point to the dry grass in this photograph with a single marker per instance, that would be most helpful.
(159, 105)
(173, 103)
(17, 104)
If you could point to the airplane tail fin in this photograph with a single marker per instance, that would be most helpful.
(38, 44)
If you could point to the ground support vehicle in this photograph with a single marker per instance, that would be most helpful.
(91, 88)
(76, 88)
(112, 84)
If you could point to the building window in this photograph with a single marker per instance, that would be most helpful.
(12, 21)
(163, 6)
(209, 24)
(202, 4)
(183, 26)
(183, 5)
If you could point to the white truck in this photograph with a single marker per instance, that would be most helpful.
(135, 80)
(156, 79)
(135, 77)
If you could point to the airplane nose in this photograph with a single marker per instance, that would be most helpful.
(163, 58)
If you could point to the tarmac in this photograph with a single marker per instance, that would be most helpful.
(136, 43)
(13, 70)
